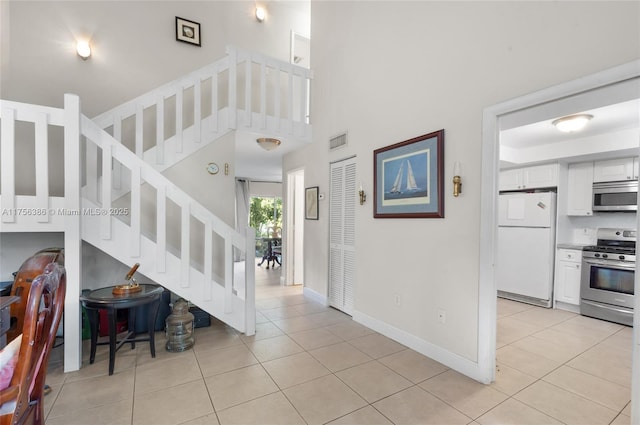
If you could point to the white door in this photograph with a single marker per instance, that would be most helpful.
(294, 248)
(342, 253)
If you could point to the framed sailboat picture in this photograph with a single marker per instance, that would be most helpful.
(408, 178)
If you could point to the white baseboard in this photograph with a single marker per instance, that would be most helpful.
(447, 358)
(315, 296)
(567, 307)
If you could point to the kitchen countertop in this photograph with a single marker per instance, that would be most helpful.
(570, 246)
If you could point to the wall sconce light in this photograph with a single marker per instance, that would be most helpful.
(457, 180)
(226, 168)
(261, 13)
(84, 49)
(363, 196)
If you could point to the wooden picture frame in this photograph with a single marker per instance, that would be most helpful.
(188, 31)
(311, 203)
(408, 178)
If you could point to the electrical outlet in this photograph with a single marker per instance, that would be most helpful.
(398, 300)
(442, 316)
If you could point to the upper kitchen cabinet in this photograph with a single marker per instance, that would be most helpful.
(615, 170)
(580, 189)
(535, 177)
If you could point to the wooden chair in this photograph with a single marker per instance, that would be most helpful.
(29, 270)
(41, 320)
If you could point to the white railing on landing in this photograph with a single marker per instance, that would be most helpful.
(243, 90)
(43, 212)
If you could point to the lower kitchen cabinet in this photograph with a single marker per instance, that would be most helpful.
(567, 280)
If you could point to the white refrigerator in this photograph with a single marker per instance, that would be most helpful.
(526, 247)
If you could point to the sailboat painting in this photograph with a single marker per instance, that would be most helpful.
(408, 178)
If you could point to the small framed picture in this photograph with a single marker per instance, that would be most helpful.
(311, 203)
(187, 31)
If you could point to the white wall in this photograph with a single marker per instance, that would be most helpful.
(16, 248)
(134, 45)
(389, 71)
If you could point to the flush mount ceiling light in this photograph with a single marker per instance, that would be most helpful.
(84, 49)
(268, 143)
(261, 13)
(572, 123)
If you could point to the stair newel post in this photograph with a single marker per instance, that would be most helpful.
(185, 246)
(250, 282)
(208, 261)
(72, 234)
(136, 183)
(107, 161)
(8, 139)
(42, 165)
(233, 88)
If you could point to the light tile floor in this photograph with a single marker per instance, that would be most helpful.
(308, 364)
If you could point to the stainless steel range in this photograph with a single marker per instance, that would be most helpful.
(607, 281)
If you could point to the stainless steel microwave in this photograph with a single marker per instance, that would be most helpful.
(615, 196)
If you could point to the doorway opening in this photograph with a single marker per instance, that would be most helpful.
(494, 120)
(265, 216)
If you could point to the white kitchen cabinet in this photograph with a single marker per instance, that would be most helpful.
(580, 189)
(567, 281)
(535, 177)
(615, 170)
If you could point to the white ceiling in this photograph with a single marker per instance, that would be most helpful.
(254, 163)
(528, 136)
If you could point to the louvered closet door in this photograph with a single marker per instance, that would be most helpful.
(342, 235)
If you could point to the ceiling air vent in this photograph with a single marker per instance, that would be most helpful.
(338, 141)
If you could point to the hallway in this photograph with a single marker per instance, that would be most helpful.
(309, 364)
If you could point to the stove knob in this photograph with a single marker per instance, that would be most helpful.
(596, 255)
(621, 257)
(605, 256)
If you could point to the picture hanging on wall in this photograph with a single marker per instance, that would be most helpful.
(187, 31)
(311, 203)
(408, 178)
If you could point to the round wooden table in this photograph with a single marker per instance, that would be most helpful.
(104, 298)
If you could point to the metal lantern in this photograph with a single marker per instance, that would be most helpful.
(179, 327)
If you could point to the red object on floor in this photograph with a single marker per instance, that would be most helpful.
(122, 323)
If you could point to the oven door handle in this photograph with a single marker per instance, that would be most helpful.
(590, 262)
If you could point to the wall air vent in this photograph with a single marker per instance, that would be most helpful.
(338, 141)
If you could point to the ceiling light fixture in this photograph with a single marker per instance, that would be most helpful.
(572, 123)
(261, 13)
(84, 49)
(268, 143)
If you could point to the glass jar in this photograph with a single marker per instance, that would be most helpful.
(179, 327)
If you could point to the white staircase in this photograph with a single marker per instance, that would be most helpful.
(116, 199)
